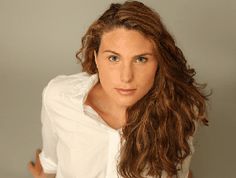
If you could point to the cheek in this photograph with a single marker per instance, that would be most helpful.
(147, 84)
(146, 81)
(107, 77)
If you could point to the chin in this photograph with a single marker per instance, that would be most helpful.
(126, 102)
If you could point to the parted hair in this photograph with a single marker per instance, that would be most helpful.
(156, 135)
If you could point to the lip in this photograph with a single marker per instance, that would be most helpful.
(123, 91)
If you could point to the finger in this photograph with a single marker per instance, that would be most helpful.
(38, 151)
(37, 161)
(32, 169)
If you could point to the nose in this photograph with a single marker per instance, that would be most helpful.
(126, 73)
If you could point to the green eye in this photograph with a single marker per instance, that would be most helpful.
(113, 58)
(142, 59)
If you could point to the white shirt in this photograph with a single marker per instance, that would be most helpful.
(77, 142)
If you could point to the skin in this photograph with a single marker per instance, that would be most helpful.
(37, 172)
(125, 59)
(35, 168)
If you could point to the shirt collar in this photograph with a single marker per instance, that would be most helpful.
(90, 83)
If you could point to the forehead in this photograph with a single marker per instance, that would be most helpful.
(122, 40)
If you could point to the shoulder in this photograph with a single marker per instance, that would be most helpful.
(64, 85)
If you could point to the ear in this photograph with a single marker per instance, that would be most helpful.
(95, 56)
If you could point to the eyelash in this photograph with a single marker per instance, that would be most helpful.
(138, 58)
(112, 56)
(141, 57)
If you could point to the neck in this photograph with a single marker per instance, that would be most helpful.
(108, 105)
(99, 100)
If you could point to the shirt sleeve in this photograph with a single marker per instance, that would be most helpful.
(48, 156)
(184, 170)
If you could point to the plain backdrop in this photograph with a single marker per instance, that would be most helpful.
(39, 39)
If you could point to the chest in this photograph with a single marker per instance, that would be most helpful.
(88, 151)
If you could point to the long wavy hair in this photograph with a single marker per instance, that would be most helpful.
(159, 125)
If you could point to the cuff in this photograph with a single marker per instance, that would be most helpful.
(48, 165)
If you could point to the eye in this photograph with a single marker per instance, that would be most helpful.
(141, 59)
(113, 58)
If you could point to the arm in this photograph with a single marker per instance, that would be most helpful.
(45, 165)
(48, 156)
(35, 168)
(190, 175)
(185, 167)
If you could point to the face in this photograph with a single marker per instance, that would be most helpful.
(125, 60)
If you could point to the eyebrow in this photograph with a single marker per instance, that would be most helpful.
(143, 54)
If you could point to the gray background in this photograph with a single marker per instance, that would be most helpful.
(38, 40)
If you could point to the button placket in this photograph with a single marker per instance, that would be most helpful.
(113, 149)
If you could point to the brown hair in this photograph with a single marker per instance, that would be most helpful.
(159, 125)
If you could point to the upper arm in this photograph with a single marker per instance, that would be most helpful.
(48, 157)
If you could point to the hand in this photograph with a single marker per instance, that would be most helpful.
(190, 175)
(35, 168)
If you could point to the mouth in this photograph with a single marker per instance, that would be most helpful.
(123, 91)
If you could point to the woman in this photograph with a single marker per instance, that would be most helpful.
(133, 110)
